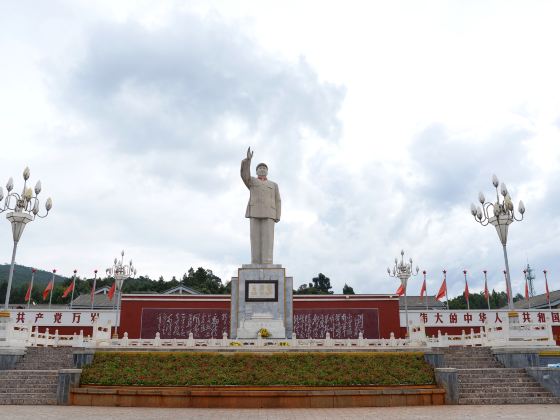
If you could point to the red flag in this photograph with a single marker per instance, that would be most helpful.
(442, 291)
(47, 290)
(486, 294)
(466, 292)
(423, 289)
(400, 290)
(28, 294)
(546, 286)
(526, 290)
(68, 290)
(111, 292)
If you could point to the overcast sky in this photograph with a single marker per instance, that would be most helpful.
(380, 121)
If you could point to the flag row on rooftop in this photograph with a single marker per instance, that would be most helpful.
(401, 291)
(47, 293)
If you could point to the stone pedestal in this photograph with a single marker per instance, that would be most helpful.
(261, 297)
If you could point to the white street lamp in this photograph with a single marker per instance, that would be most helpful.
(500, 214)
(120, 272)
(403, 271)
(25, 207)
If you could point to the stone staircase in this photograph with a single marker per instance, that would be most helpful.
(47, 358)
(35, 378)
(28, 387)
(483, 380)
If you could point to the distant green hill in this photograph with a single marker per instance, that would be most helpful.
(22, 275)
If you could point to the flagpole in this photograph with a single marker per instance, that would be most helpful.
(547, 291)
(93, 288)
(73, 288)
(31, 287)
(445, 280)
(486, 289)
(52, 288)
(425, 290)
(527, 289)
(466, 292)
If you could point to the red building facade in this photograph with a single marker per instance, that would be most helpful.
(175, 316)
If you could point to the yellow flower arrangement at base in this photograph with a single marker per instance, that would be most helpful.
(264, 333)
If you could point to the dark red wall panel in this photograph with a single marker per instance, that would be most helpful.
(179, 322)
(339, 323)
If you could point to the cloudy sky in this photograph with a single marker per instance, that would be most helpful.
(380, 121)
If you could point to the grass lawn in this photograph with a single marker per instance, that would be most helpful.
(312, 369)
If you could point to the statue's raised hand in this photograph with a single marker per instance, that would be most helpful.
(249, 154)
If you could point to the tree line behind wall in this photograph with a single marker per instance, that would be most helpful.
(201, 279)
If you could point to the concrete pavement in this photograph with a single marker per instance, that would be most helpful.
(472, 412)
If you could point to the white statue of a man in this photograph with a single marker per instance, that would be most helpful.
(263, 210)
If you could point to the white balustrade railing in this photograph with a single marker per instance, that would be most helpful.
(490, 335)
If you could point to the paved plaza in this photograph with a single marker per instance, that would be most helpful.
(533, 412)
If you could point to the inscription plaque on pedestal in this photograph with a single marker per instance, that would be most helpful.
(261, 291)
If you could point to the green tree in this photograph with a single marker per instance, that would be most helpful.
(320, 285)
(478, 301)
(347, 290)
(204, 281)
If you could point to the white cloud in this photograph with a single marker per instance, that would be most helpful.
(380, 122)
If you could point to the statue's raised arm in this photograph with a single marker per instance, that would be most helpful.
(246, 168)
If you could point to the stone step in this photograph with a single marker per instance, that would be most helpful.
(482, 357)
(46, 389)
(474, 387)
(492, 375)
(31, 373)
(456, 350)
(507, 400)
(28, 401)
(34, 379)
(491, 371)
(488, 385)
(44, 366)
(28, 395)
(502, 394)
(473, 364)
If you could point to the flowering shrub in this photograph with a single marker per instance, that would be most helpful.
(264, 333)
(213, 368)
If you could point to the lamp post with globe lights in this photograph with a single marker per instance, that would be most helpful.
(403, 271)
(500, 214)
(120, 271)
(24, 209)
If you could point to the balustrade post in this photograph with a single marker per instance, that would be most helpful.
(294, 340)
(361, 339)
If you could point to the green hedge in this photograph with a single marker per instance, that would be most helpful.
(314, 369)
